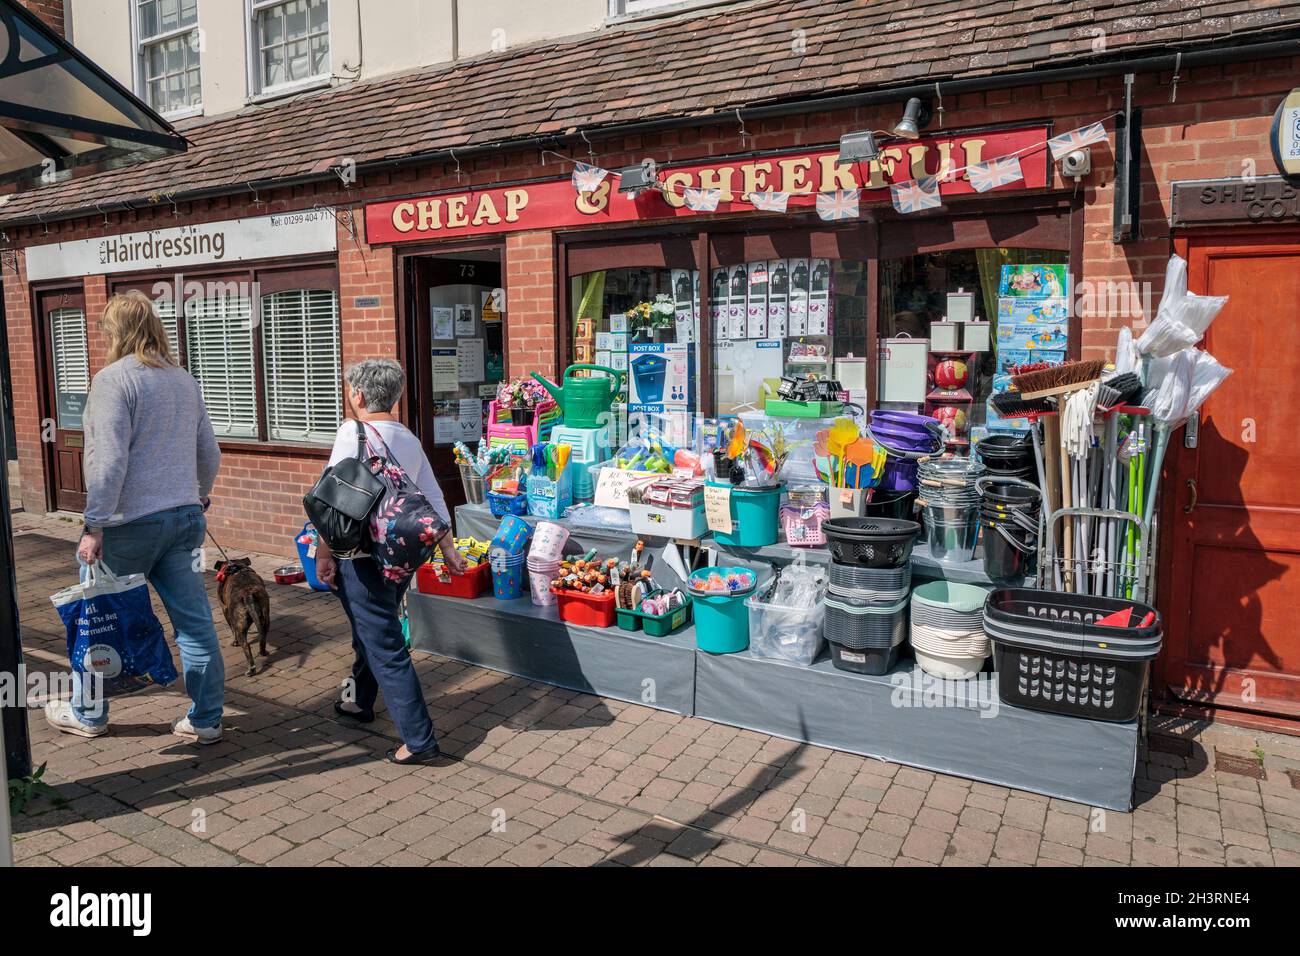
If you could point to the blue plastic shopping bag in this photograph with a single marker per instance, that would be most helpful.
(113, 632)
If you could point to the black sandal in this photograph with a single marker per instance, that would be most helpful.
(360, 716)
(428, 757)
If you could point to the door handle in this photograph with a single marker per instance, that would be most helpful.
(1191, 505)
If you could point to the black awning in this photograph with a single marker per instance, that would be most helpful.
(60, 112)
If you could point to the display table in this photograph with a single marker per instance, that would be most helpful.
(924, 567)
(1086, 761)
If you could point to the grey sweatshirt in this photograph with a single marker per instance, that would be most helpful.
(149, 444)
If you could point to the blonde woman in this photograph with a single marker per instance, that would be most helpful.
(150, 462)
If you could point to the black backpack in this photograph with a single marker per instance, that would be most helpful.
(340, 503)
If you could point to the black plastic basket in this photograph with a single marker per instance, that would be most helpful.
(868, 660)
(870, 579)
(871, 542)
(864, 630)
(1051, 655)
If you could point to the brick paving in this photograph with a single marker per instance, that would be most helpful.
(552, 777)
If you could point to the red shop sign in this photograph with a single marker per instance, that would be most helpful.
(553, 203)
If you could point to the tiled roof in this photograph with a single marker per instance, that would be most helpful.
(716, 59)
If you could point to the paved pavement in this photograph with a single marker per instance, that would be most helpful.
(555, 777)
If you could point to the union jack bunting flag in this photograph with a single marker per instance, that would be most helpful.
(769, 201)
(994, 173)
(915, 195)
(586, 178)
(1076, 139)
(701, 200)
(841, 204)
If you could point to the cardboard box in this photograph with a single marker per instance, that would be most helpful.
(737, 294)
(778, 298)
(661, 373)
(756, 301)
(797, 308)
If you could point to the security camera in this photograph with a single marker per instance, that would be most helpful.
(1077, 163)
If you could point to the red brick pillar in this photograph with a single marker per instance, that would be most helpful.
(26, 382)
(531, 304)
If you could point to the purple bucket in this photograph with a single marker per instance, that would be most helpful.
(899, 474)
(909, 420)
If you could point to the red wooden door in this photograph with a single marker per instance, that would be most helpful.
(66, 378)
(1232, 504)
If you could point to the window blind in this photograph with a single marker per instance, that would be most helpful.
(301, 357)
(71, 355)
(219, 344)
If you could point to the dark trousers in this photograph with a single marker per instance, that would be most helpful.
(382, 661)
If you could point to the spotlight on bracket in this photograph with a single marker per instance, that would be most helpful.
(916, 116)
(858, 147)
(638, 178)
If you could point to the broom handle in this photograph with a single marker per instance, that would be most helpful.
(1068, 531)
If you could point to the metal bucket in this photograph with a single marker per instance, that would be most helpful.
(475, 485)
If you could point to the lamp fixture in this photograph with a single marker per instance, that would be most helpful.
(635, 179)
(916, 116)
(858, 147)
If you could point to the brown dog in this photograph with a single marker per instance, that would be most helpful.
(244, 602)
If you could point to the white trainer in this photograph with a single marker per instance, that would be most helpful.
(202, 735)
(59, 715)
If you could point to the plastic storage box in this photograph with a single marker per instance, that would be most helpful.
(592, 610)
(783, 633)
(502, 505)
(660, 625)
(685, 523)
(475, 582)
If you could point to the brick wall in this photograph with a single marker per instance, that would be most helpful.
(1216, 127)
(49, 11)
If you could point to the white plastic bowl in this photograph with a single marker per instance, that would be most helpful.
(948, 668)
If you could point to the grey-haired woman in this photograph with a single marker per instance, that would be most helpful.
(371, 601)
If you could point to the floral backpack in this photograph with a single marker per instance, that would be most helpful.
(404, 527)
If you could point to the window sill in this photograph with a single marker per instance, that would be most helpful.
(251, 446)
(187, 113)
(289, 89)
(667, 10)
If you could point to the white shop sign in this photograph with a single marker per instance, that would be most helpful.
(232, 240)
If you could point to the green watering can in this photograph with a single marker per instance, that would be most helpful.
(585, 402)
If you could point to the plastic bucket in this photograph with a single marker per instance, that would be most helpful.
(890, 504)
(899, 474)
(755, 518)
(508, 580)
(721, 623)
(308, 563)
(539, 583)
(548, 542)
(1008, 553)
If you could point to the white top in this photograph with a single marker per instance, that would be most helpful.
(405, 448)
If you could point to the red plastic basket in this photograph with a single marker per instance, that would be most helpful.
(592, 610)
(475, 582)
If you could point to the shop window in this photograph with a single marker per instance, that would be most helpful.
(71, 357)
(301, 355)
(291, 42)
(219, 354)
(1022, 295)
(168, 53)
(644, 322)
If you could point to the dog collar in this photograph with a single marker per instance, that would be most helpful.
(221, 575)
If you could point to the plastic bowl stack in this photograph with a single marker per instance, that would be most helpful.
(866, 616)
(948, 639)
(951, 506)
(906, 437)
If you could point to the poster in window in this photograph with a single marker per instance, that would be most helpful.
(446, 368)
(442, 323)
(470, 360)
(617, 322)
(683, 304)
(798, 302)
(756, 302)
(72, 409)
(778, 298)
(718, 298)
(494, 305)
(737, 290)
(819, 297)
(465, 319)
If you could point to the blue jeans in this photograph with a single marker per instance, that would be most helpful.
(372, 604)
(166, 547)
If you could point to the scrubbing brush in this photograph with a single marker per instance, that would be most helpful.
(1126, 387)
(1068, 377)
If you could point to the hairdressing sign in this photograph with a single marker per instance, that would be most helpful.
(554, 203)
(232, 240)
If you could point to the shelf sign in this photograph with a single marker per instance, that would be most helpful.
(1285, 137)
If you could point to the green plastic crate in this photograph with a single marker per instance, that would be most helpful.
(656, 626)
(779, 408)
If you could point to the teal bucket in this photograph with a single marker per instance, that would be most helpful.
(721, 620)
(755, 518)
